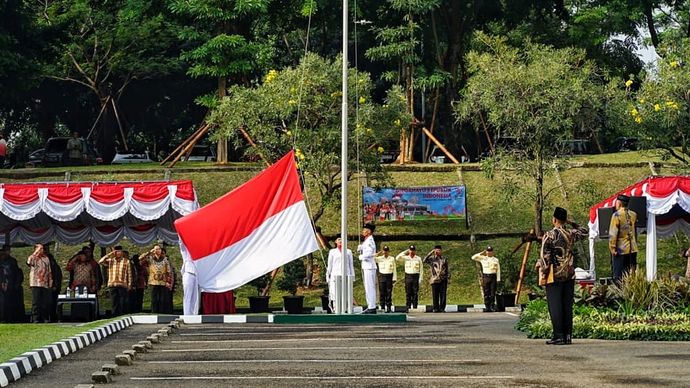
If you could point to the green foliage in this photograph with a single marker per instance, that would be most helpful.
(602, 323)
(260, 283)
(301, 107)
(293, 276)
(659, 111)
(222, 40)
(535, 96)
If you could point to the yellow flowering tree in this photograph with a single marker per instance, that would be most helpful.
(300, 108)
(659, 112)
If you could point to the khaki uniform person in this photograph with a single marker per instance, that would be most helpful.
(622, 238)
(414, 271)
(387, 276)
(491, 275)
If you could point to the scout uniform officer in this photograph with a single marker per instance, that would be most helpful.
(387, 276)
(413, 275)
(491, 275)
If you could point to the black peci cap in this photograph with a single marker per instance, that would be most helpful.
(560, 214)
(623, 198)
(385, 248)
(489, 248)
(437, 246)
(370, 226)
(413, 248)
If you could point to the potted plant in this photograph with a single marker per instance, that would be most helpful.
(293, 277)
(259, 303)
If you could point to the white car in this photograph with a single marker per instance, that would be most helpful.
(133, 157)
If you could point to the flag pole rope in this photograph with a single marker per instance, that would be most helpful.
(296, 129)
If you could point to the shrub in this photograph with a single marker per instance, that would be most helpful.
(260, 283)
(293, 276)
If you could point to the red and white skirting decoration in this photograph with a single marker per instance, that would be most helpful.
(668, 212)
(105, 212)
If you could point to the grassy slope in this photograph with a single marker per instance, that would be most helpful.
(489, 210)
(19, 338)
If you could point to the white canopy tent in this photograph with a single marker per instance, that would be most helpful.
(668, 212)
(104, 212)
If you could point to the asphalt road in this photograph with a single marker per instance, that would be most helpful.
(461, 349)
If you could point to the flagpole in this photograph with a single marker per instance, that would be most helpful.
(343, 170)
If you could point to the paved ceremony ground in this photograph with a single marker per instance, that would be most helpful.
(468, 350)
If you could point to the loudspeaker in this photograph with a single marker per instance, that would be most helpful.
(639, 206)
(604, 219)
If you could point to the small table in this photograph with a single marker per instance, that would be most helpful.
(91, 301)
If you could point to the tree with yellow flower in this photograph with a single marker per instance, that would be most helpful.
(291, 110)
(659, 112)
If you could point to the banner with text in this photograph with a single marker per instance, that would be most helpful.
(414, 203)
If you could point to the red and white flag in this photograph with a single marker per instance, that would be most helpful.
(250, 231)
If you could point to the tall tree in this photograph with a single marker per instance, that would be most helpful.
(224, 45)
(104, 47)
(533, 95)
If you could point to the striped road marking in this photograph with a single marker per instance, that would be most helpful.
(338, 361)
(353, 378)
(314, 339)
(313, 348)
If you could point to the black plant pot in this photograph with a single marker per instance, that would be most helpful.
(505, 300)
(258, 304)
(293, 304)
(326, 304)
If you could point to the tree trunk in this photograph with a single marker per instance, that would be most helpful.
(648, 13)
(539, 200)
(222, 148)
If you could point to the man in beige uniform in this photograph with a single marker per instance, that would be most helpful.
(387, 276)
(413, 275)
(491, 275)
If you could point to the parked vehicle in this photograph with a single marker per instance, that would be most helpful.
(124, 157)
(202, 153)
(622, 144)
(36, 158)
(56, 153)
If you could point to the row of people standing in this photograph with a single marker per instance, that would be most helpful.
(126, 279)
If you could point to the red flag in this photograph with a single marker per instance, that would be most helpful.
(246, 233)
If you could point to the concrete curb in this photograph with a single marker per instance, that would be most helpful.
(22, 365)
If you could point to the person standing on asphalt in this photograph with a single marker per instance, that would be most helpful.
(491, 275)
(623, 238)
(41, 283)
(367, 251)
(11, 293)
(440, 275)
(556, 267)
(387, 277)
(119, 279)
(335, 269)
(160, 279)
(414, 271)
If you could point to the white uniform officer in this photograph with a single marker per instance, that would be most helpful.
(367, 253)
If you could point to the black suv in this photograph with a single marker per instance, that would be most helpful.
(56, 153)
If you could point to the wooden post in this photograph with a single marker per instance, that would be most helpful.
(188, 147)
(183, 144)
(523, 266)
(440, 145)
(119, 124)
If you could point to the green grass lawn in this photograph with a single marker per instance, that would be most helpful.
(19, 338)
